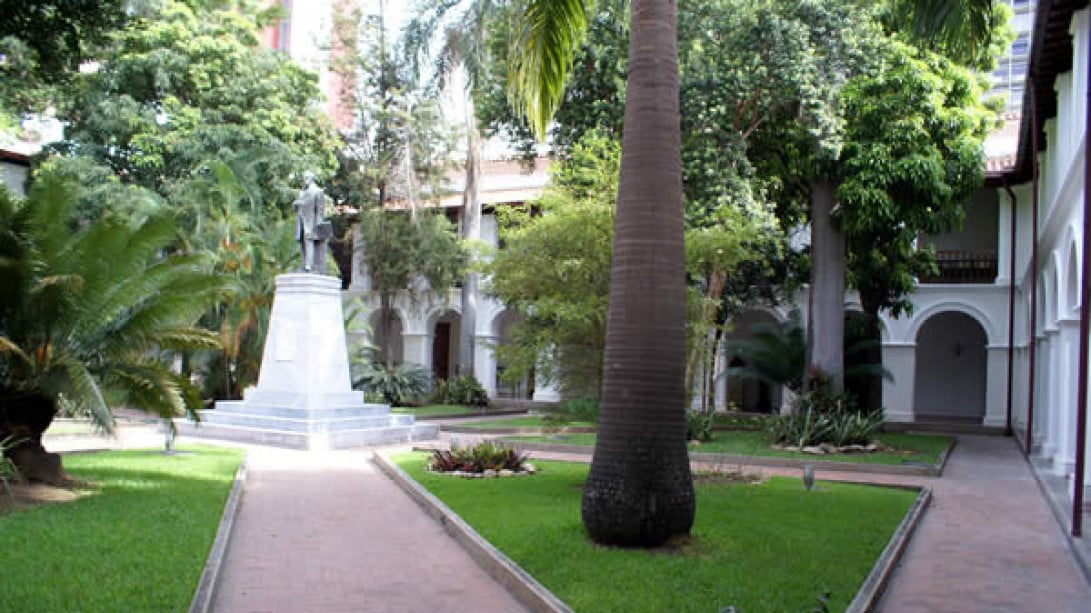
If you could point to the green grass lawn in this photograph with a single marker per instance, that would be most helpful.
(527, 421)
(906, 448)
(442, 410)
(770, 547)
(137, 542)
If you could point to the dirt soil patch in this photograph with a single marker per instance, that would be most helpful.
(26, 495)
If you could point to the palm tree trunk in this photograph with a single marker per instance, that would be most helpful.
(640, 491)
(827, 322)
(471, 231)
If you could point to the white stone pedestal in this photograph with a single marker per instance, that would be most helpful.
(304, 397)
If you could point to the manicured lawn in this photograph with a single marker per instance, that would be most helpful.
(906, 448)
(528, 421)
(441, 410)
(137, 542)
(771, 547)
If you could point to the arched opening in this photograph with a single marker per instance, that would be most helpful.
(951, 369)
(746, 389)
(378, 336)
(863, 359)
(445, 335)
(524, 388)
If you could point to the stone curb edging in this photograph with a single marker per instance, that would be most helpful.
(507, 573)
(466, 415)
(210, 576)
(868, 596)
(934, 470)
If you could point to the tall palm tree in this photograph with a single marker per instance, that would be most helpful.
(461, 27)
(639, 491)
(90, 314)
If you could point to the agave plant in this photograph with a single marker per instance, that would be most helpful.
(91, 312)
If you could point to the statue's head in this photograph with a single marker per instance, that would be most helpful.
(308, 177)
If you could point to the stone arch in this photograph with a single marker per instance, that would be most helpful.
(951, 368)
(1071, 298)
(970, 310)
(501, 329)
(442, 341)
(748, 394)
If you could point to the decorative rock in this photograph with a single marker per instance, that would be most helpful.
(489, 473)
(530, 468)
(506, 473)
(814, 450)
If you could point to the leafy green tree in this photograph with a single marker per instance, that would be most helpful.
(462, 27)
(186, 86)
(91, 313)
(554, 271)
(43, 43)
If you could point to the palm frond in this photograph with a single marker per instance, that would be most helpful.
(546, 34)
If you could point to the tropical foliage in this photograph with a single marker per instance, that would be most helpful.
(94, 313)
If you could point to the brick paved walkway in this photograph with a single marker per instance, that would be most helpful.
(326, 532)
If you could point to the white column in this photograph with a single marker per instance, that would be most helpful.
(1054, 383)
(485, 363)
(1003, 239)
(1065, 407)
(996, 388)
(416, 349)
(719, 392)
(361, 277)
(900, 360)
(1041, 395)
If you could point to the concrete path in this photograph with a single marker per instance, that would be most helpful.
(326, 532)
(989, 542)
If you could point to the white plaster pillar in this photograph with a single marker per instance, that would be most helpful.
(1069, 340)
(546, 392)
(361, 277)
(900, 360)
(416, 349)
(996, 389)
(719, 391)
(1003, 239)
(1054, 383)
(485, 363)
(1041, 394)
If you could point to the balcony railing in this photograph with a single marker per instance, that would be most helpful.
(964, 267)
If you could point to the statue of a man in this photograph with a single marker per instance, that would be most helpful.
(312, 230)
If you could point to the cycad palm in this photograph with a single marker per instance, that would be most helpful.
(91, 313)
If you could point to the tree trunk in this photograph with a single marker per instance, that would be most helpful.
(640, 491)
(24, 418)
(827, 323)
(471, 231)
(386, 321)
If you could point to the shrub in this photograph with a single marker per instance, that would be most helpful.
(699, 426)
(824, 418)
(8, 469)
(477, 459)
(464, 390)
(395, 385)
(581, 409)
